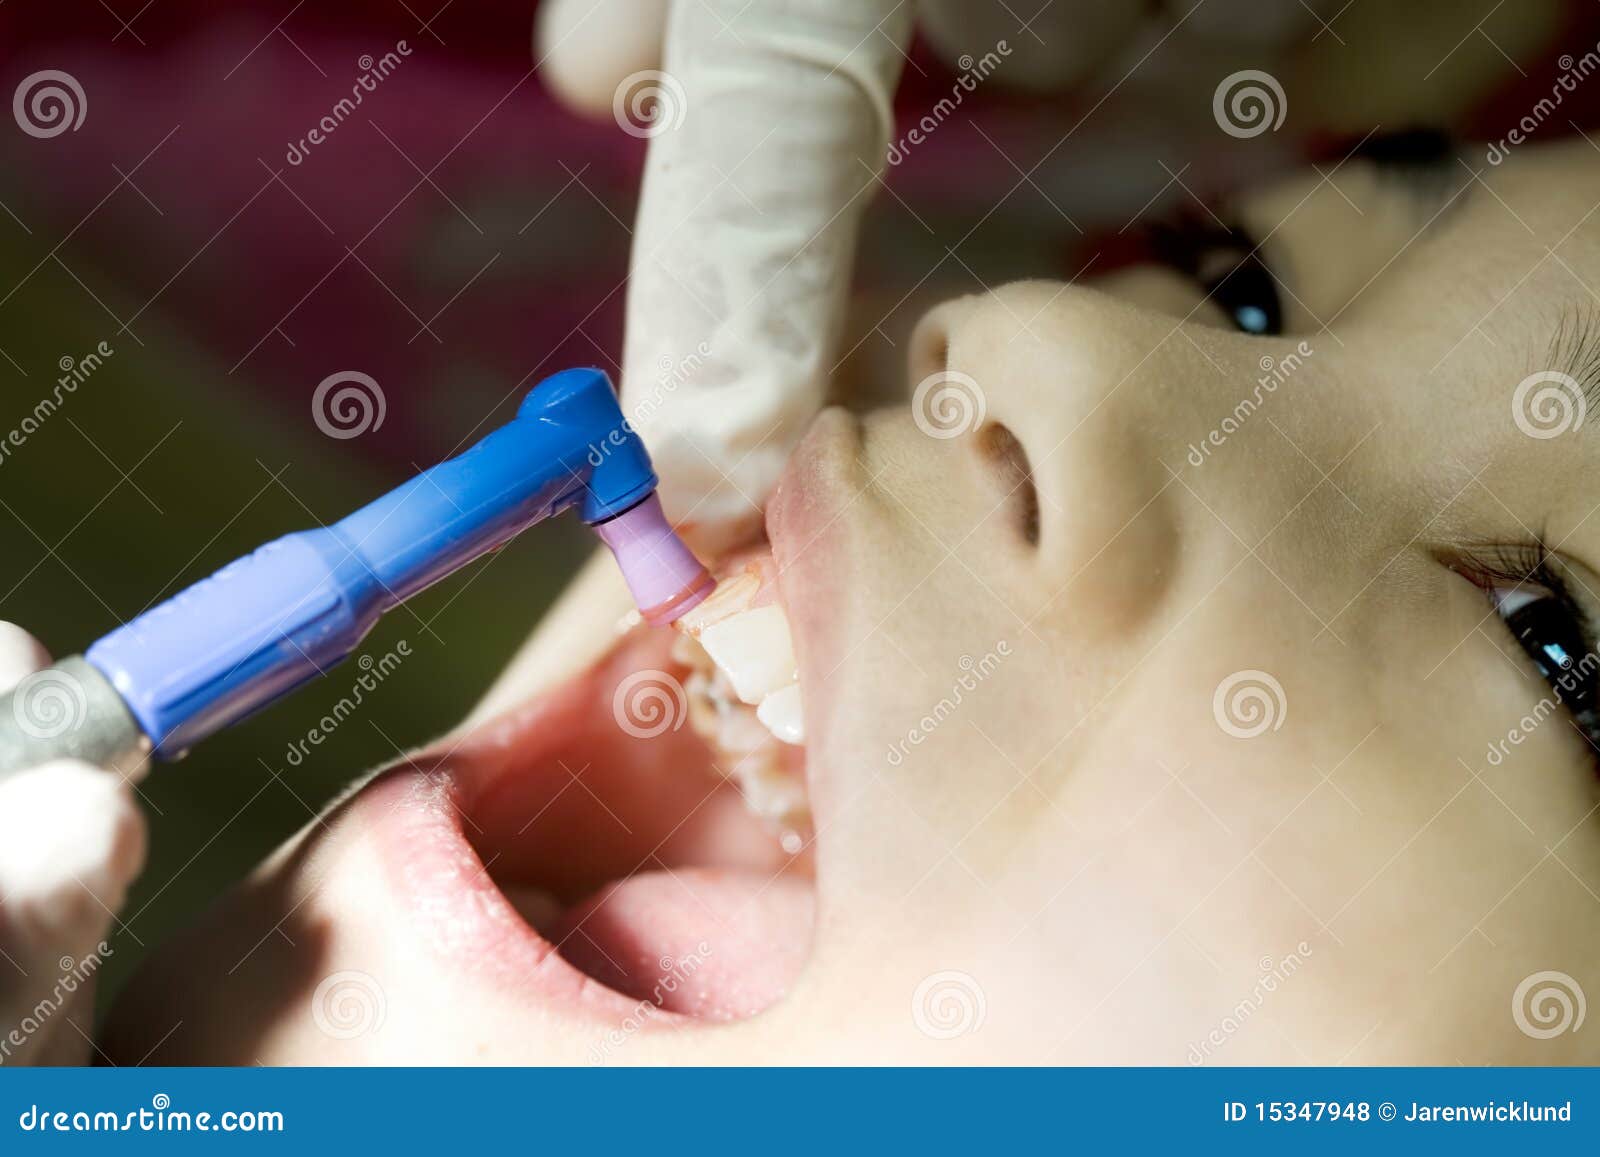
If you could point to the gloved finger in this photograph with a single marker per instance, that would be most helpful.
(585, 48)
(71, 841)
(20, 656)
(769, 129)
(1055, 47)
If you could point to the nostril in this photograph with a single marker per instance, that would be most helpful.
(929, 349)
(1004, 452)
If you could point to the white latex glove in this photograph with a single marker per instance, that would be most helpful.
(771, 124)
(71, 840)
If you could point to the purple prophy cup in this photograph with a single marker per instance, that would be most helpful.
(666, 579)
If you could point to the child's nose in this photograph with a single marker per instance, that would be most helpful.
(1074, 377)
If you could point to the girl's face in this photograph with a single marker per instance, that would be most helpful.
(1172, 693)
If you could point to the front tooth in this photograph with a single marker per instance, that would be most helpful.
(754, 649)
(780, 711)
(731, 597)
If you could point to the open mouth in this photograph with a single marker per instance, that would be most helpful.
(639, 834)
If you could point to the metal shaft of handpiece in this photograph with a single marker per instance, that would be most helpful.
(69, 711)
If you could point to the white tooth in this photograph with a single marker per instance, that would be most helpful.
(754, 649)
(731, 597)
(780, 711)
(739, 733)
(769, 791)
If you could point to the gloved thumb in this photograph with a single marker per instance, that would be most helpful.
(71, 841)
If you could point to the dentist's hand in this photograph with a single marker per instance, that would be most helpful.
(769, 124)
(71, 840)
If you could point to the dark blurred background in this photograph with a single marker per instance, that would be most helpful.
(460, 236)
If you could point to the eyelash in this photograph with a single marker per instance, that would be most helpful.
(1243, 287)
(1575, 678)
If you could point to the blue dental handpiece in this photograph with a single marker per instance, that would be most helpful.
(288, 612)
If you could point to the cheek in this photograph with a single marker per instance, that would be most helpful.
(233, 985)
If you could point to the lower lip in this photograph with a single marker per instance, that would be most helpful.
(414, 819)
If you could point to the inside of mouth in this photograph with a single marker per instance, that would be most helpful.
(618, 828)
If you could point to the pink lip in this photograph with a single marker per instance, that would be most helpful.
(416, 821)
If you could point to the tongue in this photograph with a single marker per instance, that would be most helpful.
(699, 941)
(622, 845)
